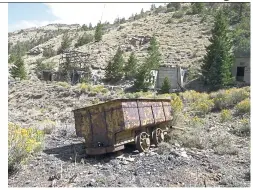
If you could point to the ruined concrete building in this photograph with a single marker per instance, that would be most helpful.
(241, 69)
(175, 74)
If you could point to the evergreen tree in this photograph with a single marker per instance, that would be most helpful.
(142, 12)
(143, 75)
(18, 70)
(90, 26)
(131, 66)
(166, 85)
(85, 27)
(114, 69)
(218, 61)
(98, 32)
(152, 7)
(66, 42)
(154, 58)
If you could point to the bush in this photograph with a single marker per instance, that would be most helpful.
(225, 115)
(42, 66)
(195, 137)
(192, 96)
(171, 9)
(63, 84)
(177, 107)
(48, 126)
(222, 99)
(49, 52)
(94, 89)
(178, 14)
(242, 128)
(223, 144)
(202, 107)
(22, 143)
(85, 39)
(169, 21)
(243, 107)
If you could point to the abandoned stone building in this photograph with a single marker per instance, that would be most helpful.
(241, 69)
(175, 74)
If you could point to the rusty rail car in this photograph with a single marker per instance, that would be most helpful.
(108, 126)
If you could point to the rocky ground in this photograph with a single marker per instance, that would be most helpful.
(63, 162)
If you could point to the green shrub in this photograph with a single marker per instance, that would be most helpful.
(171, 9)
(22, 143)
(93, 89)
(225, 115)
(49, 52)
(202, 107)
(63, 84)
(178, 14)
(242, 128)
(223, 144)
(243, 107)
(85, 39)
(169, 21)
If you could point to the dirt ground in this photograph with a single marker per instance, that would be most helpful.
(63, 163)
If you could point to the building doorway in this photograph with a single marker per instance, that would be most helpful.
(240, 74)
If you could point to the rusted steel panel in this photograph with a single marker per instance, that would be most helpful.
(112, 122)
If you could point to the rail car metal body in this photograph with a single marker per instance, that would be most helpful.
(108, 126)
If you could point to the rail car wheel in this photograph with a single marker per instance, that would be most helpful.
(142, 142)
(157, 136)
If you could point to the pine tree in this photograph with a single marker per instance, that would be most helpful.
(90, 26)
(131, 66)
(18, 70)
(152, 62)
(114, 69)
(98, 32)
(218, 61)
(154, 58)
(166, 85)
(142, 77)
(66, 42)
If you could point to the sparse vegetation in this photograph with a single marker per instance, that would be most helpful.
(178, 14)
(84, 39)
(49, 52)
(63, 84)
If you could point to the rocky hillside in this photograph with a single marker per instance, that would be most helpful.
(182, 39)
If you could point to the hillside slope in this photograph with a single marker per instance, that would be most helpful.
(182, 40)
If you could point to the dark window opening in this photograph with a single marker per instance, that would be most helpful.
(240, 74)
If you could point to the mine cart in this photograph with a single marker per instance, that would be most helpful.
(108, 126)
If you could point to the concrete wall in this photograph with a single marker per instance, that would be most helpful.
(173, 73)
(242, 62)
